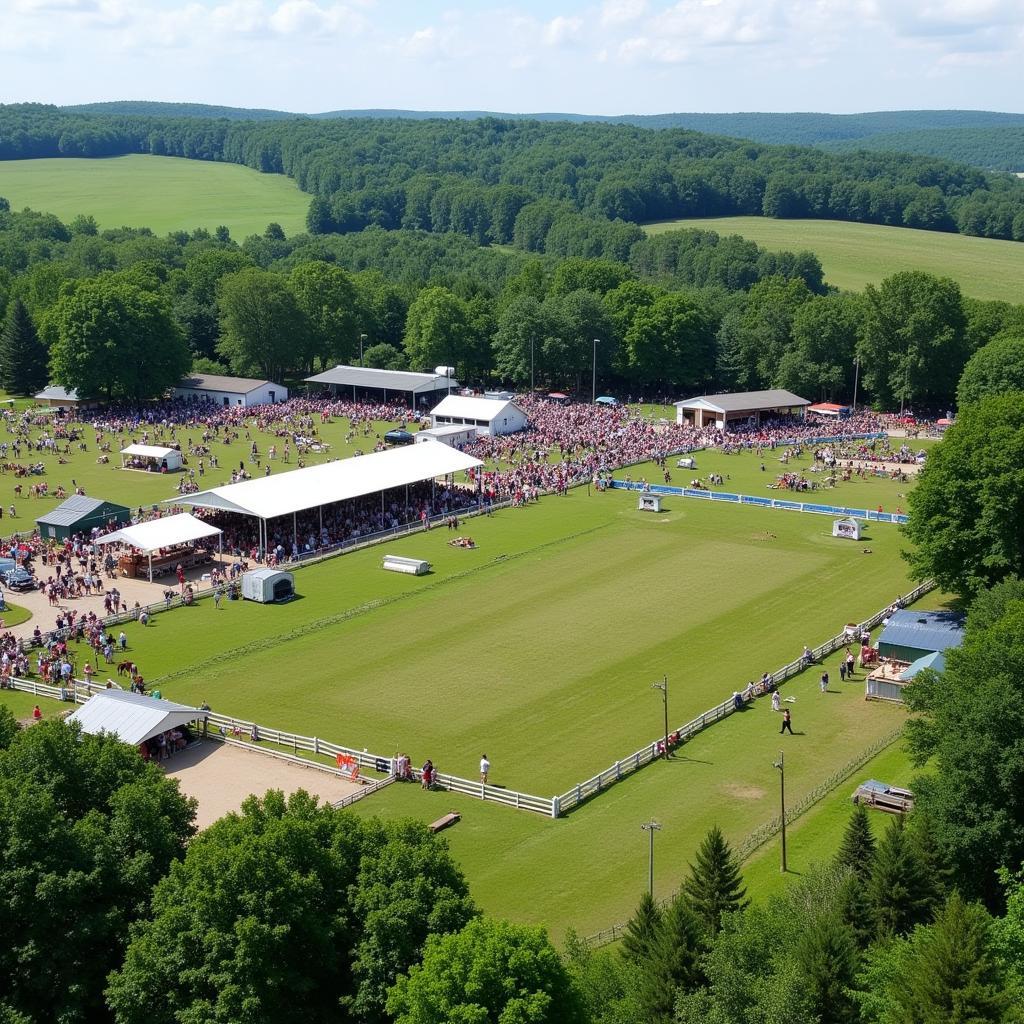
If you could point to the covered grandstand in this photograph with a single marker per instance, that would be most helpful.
(331, 484)
(418, 390)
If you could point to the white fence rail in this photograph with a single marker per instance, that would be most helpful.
(591, 787)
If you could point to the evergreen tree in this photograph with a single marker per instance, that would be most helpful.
(901, 895)
(857, 850)
(672, 966)
(715, 886)
(925, 841)
(827, 955)
(23, 357)
(642, 931)
(951, 974)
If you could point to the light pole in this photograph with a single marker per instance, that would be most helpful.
(856, 381)
(531, 364)
(781, 765)
(650, 828)
(593, 381)
(663, 686)
(362, 339)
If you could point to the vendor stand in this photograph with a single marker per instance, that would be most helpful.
(159, 546)
(151, 458)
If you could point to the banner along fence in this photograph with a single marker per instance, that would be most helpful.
(873, 515)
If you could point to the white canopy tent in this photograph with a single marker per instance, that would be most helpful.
(162, 457)
(132, 717)
(163, 533)
(285, 494)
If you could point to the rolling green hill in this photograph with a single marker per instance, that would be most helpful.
(161, 193)
(854, 255)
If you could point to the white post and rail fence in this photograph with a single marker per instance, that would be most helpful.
(235, 730)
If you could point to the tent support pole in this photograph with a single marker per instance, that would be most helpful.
(295, 529)
(150, 556)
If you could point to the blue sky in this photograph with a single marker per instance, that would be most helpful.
(607, 57)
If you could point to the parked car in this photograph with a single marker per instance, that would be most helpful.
(398, 437)
(19, 579)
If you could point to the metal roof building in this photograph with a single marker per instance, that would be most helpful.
(718, 410)
(223, 390)
(417, 389)
(910, 634)
(79, 514)
(487, 415)
(132, 717)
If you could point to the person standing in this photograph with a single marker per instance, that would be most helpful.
(823, 684)
(485, 767)
(842, 671)
(787, 723)
(850, 662)
(776, 701)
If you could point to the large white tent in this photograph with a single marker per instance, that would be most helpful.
(299, 490)
(132, 717)
(163, 533)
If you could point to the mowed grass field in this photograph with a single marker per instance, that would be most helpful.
(157, 192)
(855, 255)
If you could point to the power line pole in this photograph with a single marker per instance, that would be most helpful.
(650, 828)
(781, 765)
(593, 382)
(663, 686)
(856, 381)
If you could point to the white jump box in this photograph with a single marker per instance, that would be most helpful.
(412, 566)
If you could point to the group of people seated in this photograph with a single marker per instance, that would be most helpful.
(462, 542)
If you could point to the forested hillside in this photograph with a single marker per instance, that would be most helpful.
(988, 139)
(571, 189)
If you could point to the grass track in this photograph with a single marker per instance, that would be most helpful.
(854, 255)
(159, 192)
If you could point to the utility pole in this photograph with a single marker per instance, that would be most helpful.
(531, 364)
(663, 686)
(362, 340)
(593, 382)
(781, 765)
(856, 381)
(650, 828)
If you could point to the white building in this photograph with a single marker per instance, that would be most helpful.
(454, 437)
(742, 407)
(244, 391)
(488, 415)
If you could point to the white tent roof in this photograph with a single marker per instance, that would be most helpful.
(162, 533)
(472, 408)
(132, 717)
(149, 451)
(285, 493)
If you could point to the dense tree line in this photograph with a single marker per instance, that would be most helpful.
(389, 172)
(116, 910)
(682, 312)
(997, 147)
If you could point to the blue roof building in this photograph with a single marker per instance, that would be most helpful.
(911, 634)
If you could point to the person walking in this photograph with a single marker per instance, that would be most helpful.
(776, 701)
(787, 723)
(823, 684)
(485, 767)
(850, 662)
(842, 671)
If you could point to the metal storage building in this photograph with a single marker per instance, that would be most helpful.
(910, 634)
(80, 514)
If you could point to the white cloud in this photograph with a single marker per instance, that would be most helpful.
(621, 12)
(561, 31)
(305, 16)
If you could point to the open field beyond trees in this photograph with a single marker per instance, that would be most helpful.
(157, 192)
(854, 255)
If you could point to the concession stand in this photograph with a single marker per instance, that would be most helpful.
(159, 546)
(151, 458)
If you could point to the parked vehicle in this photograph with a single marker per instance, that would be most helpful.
(398, 437)
(19, 579)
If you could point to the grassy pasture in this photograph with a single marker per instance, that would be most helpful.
(159, 192)
(855, 255)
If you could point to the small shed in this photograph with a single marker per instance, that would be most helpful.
(132, 717)
(231, 391)
(266, 586)
(80, 514)
(910, 634)
(150, 457)
(649, 502)
(847, 528)
(56, 397)
(454, 436)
